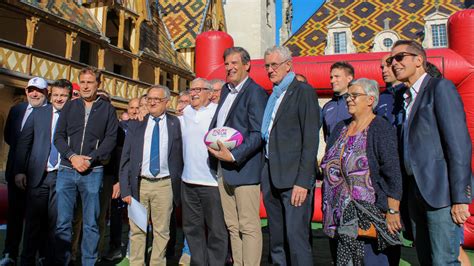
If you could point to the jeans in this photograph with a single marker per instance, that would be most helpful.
(88, 184)
(437, 237)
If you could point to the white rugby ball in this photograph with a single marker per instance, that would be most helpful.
(230, 137)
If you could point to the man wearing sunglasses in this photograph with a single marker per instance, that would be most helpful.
(436, 156)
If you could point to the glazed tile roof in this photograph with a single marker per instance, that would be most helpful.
(366, 18)
(154, 41)
(183, 19)
(68, 10)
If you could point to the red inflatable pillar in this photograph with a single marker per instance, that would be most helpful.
(210, 47)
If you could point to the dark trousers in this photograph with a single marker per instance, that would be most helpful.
(40, 221)
(202, 210)
(116, 207)
(15, 215)
(288, 225)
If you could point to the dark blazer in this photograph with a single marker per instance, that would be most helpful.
(11, 132)
(132, 154)
(439, 145)
(34, 145)
(245, 115)
(294, 138)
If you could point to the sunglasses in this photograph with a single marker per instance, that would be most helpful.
(398, 57)
(75, 94)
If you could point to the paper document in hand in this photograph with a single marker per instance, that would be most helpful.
(138, 214)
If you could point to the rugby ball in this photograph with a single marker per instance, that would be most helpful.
(230, 137)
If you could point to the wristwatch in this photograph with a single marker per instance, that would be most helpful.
(392, 211)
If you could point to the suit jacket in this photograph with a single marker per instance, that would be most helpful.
(34, 145)
(11, 132)
(294, 138)
(245, 115)
(132, 155)
(439, 145)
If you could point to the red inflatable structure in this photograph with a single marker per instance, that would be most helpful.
(456, 63)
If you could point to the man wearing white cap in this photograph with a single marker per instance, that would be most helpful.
(36, 94)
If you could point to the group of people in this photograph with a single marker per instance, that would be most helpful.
(406, 151)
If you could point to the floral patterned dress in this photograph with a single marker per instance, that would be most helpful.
(346, 177)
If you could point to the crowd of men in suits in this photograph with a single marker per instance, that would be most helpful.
(63, 154)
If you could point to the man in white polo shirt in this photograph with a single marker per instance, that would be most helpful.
(199, 191)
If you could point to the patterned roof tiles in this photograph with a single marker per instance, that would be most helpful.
(366, 19)
(183, 20)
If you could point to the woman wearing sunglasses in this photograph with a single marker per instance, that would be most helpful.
(362, 184)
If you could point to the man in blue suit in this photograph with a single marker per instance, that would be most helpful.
(239, 171)
(150, 172)
(36, 94)
(436, 155)
(37, 162)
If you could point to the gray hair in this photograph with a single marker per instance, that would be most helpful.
(206, 82)
(217, 81)
(370, 87)
(185, 92)
(283, 51)
(161, 87)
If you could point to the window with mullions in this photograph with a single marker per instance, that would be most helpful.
(440, 38)
(340, 43)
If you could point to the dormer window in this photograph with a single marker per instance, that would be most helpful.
(436, 31)
(340, 43)
(439, 36)
(339, 38)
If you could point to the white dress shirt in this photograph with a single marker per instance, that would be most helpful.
(196, 125)
(164, 170)
(229, 100)
(28, 111)
(55, 115)
(414, 90)
(275, 110)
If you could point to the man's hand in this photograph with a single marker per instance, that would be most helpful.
(298, 196)
(460, 213)
(127, 199)
(20, 181)
(80, 162)
(116, 191)
(223, 154)
(393, 223)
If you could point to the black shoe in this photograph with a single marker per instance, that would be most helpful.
(113, 254)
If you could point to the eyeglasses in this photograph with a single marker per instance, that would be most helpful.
(197, 90)
(399, 57)
(274, 66)
(76, 94)
(353, 96)
(155, 100)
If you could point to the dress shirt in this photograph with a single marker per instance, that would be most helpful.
(414, 90)
(28, 111)
(275, 109)
(164, 170)
(196, 125)
(55, 115)
(229, 100)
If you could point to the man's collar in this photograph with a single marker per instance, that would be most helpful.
(238, 88)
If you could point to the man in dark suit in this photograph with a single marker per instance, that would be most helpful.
(239, 171)
(290, 130)
(437, 156)
(150, 172)
(36, 94)
(37, 162)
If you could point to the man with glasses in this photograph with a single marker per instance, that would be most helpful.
(216, 89)
(150, 171)
(200, 197)
(436, 155)
(290, 132)
(334, 111)
(239, 171)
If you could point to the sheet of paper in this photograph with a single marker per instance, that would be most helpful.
(138, 214)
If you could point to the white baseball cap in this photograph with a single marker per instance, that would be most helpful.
(38, 82)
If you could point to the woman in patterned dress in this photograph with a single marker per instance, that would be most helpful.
(362, 184)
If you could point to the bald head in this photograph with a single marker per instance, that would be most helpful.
(133, 108)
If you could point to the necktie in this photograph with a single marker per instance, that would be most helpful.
(53, 153)
(155, 148)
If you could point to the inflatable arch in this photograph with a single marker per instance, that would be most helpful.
(456, 63)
